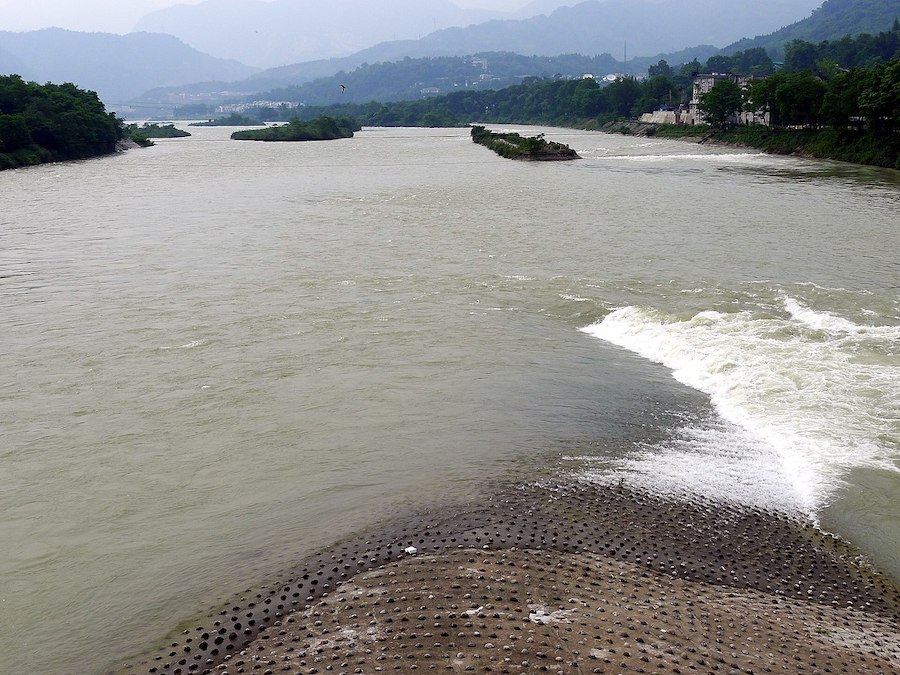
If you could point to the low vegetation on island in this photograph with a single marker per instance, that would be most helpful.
(142, 134)
(155, 130)
(52, 122)
(233, 120)
(515, 146)
(322, 128)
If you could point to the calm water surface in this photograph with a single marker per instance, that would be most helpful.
(218, 357)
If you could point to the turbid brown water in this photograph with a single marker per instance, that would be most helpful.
(221, 359)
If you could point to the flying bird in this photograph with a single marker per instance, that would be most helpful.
(343, 86)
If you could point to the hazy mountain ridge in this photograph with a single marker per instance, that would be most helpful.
(314, 82)
(593, 27)
(295, 31)
(588, 28)
(121, 67)
(10, 63)
(117, 67)
(288, 31)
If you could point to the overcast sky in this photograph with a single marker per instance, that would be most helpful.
(119, 16)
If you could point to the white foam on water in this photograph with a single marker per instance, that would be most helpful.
(804, 398)
(709, 460)
(711, 158)
(827, 321)
(574, 298)
(189, 345)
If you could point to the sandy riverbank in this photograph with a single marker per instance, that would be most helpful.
(562, 578)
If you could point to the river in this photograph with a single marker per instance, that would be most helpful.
(219, 357)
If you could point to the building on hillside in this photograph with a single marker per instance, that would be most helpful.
(706, 81)
(703, 83)
(690, 114)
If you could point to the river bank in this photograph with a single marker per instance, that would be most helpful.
(559, 576)
(848, 146)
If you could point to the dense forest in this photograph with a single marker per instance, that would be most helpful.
(542, 100)
(52, 122)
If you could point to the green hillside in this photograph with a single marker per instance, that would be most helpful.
(832, 21)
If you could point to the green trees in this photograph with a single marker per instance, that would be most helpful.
(879, 98)
(815, 87)
(232, 120)
(623, 95)
(800, 55)
(50, 122)
(792, 99)
(322, 128)
(154, 130)
(538, 100)
(799, 99)
(661, 69)
(14, 133)
(862, 51)
(656, 92)
(722, 103)
(754, 61)
(840, 105)
(513, 146)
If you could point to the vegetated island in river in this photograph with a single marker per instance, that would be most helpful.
(530, 149)
(142, 134)
(233, 120)
(155, 130)
(322, 128)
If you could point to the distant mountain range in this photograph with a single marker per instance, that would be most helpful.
(287, 31)
(292, 31)
(120, 67)
(649, 27)
(117, 67)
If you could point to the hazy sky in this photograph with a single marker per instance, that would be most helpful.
(119, 16)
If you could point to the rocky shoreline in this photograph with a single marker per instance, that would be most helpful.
(562, 577)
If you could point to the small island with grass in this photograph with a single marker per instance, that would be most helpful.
(156, 130)
(142, 134)
(233, 120)
(530, 149)
(322, 128)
